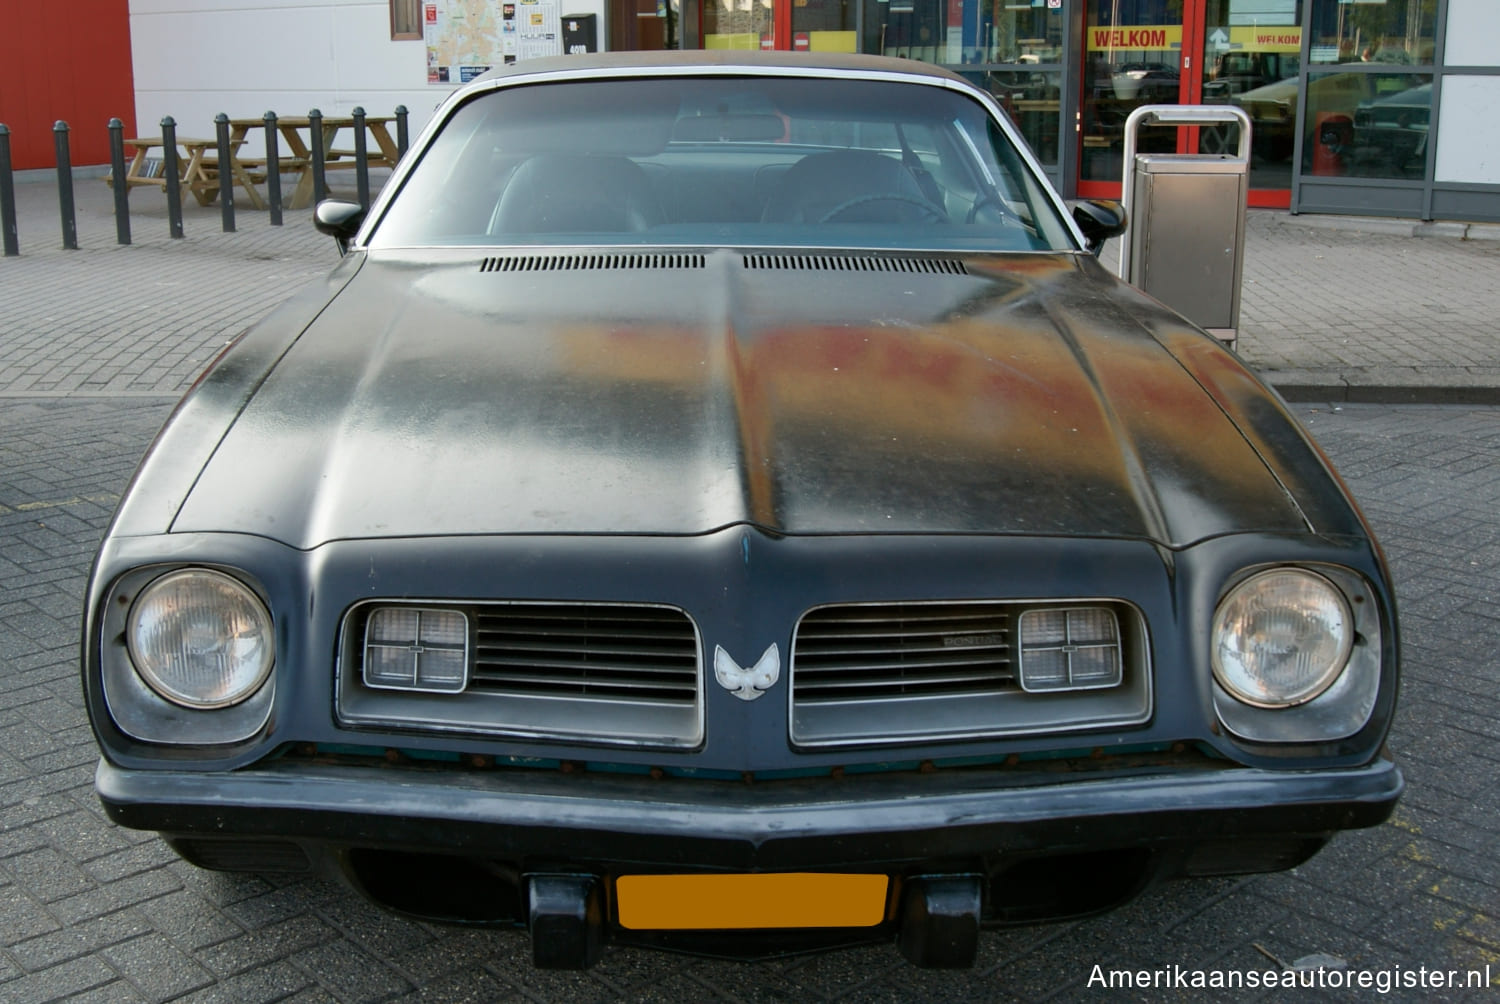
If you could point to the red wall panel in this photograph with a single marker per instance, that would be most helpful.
(68, 61)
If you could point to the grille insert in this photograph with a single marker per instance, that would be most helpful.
(876, 673)
(587, 672)
(646, 653)
(888, 651)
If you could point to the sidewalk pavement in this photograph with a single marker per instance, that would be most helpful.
(1374, 310)
(1332, 308)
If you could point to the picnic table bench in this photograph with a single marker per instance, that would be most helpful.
(383, 152)
(198, 159)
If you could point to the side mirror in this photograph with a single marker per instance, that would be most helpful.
(340, 220)
(1099, 219)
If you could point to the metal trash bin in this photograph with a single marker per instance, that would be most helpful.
(1186, 243)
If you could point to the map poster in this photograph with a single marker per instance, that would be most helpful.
(465, 38)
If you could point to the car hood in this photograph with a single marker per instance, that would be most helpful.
(448, 393)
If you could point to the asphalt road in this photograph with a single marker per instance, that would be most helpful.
(92, 912)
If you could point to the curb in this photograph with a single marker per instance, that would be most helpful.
(1388, 226)
(1306, 388)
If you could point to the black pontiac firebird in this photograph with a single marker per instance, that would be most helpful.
(719, 503)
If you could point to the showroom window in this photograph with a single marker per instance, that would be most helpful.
(1368, 105)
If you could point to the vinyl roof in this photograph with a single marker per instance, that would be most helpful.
(717, 59)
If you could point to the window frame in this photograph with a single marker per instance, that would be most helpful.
(412, 28)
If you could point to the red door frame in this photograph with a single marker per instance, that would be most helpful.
(781, 23)
(1189, 92)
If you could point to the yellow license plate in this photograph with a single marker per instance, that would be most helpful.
(729, 902)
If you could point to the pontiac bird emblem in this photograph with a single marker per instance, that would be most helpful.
(747, 684)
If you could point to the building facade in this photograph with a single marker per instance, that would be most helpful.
(1373, 107)
(52, 70)
(1380, 107)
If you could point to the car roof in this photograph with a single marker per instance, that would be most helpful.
(718, 60)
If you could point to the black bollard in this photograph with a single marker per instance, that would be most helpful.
(361, 157)
(122, 187)
(401, 133)
(173, 173)
(7, 196)
(65, 186)
(273, 168)
(319, 155)
(226, 172)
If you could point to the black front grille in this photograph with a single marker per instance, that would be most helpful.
(598, 673)
(870, 652)
(625, 652)
(872, 673)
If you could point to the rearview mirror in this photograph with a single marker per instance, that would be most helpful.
(730, 129)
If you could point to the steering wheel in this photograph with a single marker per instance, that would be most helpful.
(932, 214)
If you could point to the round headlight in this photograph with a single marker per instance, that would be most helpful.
(1281, 638)
(200, 639)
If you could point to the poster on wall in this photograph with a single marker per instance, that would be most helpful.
(465, 38)
(540, 29)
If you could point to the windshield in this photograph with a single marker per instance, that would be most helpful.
(695, 161)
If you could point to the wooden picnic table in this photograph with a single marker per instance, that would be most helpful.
(295, 136)
(198, 159)
(197, 166)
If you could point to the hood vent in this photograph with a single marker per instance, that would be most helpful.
(579, 262)
(853, 263)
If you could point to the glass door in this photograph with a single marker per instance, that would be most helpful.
(1251, 54)
(1014, 49)
(1135, 52)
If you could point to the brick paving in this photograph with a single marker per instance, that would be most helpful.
(144, 318)
(95, 345)
(1330, 306)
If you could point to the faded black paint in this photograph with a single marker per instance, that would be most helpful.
(1022, 398)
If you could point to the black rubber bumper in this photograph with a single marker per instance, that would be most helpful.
(600, 820)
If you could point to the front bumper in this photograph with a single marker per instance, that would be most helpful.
(963, 848)
(495, 846)
(879, 821)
